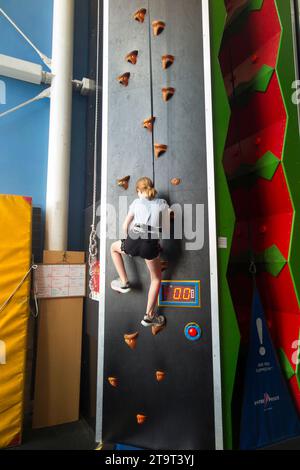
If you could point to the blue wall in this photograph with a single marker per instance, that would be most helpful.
(24, 134)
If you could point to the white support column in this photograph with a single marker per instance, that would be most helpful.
(103, 232)
(213, 255)
(57, 204)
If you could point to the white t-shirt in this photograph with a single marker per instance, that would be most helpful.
(148, 212)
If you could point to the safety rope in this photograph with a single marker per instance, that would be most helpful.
(151, 88)
(44, 58)
(93, 247)
(35, 314)
(99, 446)
(4, 305)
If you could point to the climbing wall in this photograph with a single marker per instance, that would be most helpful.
(229, 330)
(157, 389)
(15, 258)
(261, 163)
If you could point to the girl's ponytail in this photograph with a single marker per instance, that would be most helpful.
(145, 185)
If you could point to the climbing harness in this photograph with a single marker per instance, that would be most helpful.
(146, 229)
(93, 245)
(4, 305)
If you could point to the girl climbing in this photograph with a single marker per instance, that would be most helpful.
(142, 229)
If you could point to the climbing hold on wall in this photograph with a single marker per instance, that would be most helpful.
(157, 329)
(124, 182)
(160, 149)
(175, 181)
(254, 58)
(131, 340)
(141, 418)
(164, 265)
(124, 79)
(167, 61)
(148, 123)
(168, 93)
(113, 381)
(132, 57)
(139, 15)
(158, 27)
(160, 375)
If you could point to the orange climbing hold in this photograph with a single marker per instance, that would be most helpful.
(131, 340)
(149, 123)
(160, 149)
(158, 27)
(168, 93)
(157, 329)
(139, 15)
(160, 375)
(175, 181)
(167, 61)
(141, 418)
(124, 182)
(113, 381)
(132, 57)
(124, 79)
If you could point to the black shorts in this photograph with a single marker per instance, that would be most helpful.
(145, 248)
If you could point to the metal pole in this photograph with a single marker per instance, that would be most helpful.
(212, 228)
(103, 234)
(57, 201)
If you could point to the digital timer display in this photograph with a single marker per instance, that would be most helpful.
(172, 293)
(179, 294)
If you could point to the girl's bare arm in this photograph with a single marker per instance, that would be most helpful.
(127, 223)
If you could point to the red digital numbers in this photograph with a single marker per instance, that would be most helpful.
(178, 294)
(181, 293)
(187, 293)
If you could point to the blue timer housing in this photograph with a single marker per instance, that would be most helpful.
(179, 294)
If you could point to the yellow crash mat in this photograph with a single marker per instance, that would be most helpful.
(15, 259)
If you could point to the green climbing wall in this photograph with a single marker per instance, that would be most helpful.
(291, 164)
(225, 222)
(253, 102)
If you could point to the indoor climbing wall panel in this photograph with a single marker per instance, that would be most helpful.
(156, 128)
(15, 259)
(229, 331)
(261, 162)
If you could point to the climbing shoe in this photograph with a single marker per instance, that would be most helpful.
(120, 287)
(157, 320)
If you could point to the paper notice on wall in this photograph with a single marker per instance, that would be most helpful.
(57, 281)
(222, 243)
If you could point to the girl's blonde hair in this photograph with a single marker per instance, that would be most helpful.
(146, 186)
